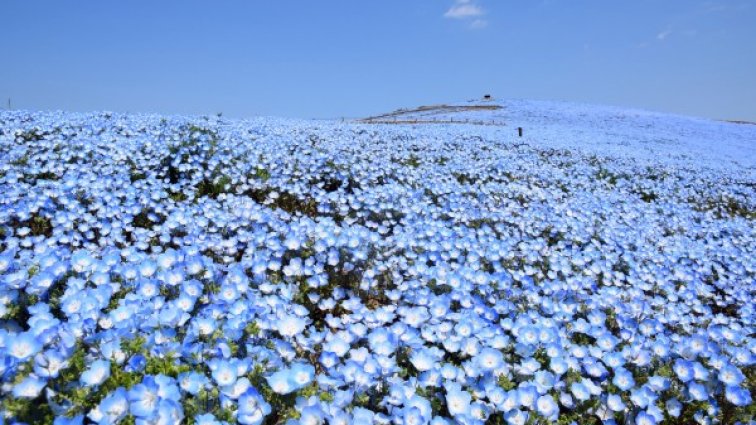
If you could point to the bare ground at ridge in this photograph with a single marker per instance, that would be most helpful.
(407, 116)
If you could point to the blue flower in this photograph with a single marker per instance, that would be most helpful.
(683, 369)
(547, 407)
(252, 408)
(731, 375)
(144, 398)
(64, 420)
(169, 412)
(290, 326)
(623, 379)
(23, 346)
(644, 418)
(29, 387)
(516, 417)
(698, 391)
(192, 382)
(223, 372)
(457, 400)
(206, 419)
(113, 408)
(96, 374)
(737, 395)
(580, 391)
(48, 364)
(490, 359)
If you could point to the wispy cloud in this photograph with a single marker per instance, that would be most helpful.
(469, 11)
(663, 35)
(478, 23)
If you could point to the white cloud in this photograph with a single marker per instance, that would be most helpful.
(663, 35)
(469, 11)
(464, 10)
(478, 23)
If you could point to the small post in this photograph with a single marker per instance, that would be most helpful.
(519, 131)
(9, 104)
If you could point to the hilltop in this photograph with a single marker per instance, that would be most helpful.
(604, 130)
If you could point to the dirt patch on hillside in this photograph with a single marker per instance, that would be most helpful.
(404, 115)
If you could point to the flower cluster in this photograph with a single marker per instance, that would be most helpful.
(201, 270)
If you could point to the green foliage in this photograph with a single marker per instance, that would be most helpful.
(213, 188)
(413, 161)
(262, 174)
(142, 220)
(608, 176)
(31, 411)
(724, 207)
(47, 175)
(177, 196)
(166, 365)
(252, 329)
(22, 161)
(505, 383)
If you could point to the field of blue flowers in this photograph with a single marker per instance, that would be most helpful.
(164, 270)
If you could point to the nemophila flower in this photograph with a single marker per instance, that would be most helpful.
(528, 366)
(490, 359)
(683, 369)
(511, 401)
(544, 381)
(49, 363)
(135, 363)
(516, 417)
(673, 407)
(144, 398)
(457, 400)
(169, 412)
(558, 365)
(547, 407)
(580, 391)
(192, 382)
(623, 379)
(64, 420)
(290, 326)
(302, 374)
(112, 408)
(423, 360)
(644, 418)
(23, 346)
(291, 379)
(643, 397)
(252, 408)
(658, 383)
(595, 369)
(615, 403)
(29, 387)
(697, 391)
(207, 419)
(338, 346)
(731, 375)
(527, 396)
(737, 395)
(97, 372)
(223, 372)
(81, 260)
(361, 415)
(147, 268)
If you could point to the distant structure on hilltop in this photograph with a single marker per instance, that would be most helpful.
(487, 97)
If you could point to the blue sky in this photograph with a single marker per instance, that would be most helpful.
(323, 59)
